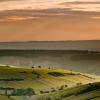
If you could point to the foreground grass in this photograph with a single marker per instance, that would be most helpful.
(40, 78)
(83, 92)
(49, 82)
(89, 91)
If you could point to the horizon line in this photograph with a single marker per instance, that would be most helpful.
(49, 41)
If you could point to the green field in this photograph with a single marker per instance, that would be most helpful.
(41, 80)
(83, 92)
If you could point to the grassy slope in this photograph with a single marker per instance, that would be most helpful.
(4, 98)
(44, 81)
(83, 92)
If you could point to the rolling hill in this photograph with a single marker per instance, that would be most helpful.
(78, 60)
(93, 45)
(41, 80)
(83, 92)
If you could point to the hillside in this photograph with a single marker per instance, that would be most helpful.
(76, 60)
(83, 92)
(93, 45)
(41, 80)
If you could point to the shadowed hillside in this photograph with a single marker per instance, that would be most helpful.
(85, 92)
(79, 60)
(93, 45)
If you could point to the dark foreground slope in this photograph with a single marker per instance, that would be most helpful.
(83, 92)
(89, 91)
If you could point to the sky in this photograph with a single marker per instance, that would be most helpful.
(49, 20)
(44, 4)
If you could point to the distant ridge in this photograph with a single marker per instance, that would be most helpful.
(48, 41)
(93, 45)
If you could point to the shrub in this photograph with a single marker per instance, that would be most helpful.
(58, 98)
(42, 92)
(66, 85)
(62, 87)
(48, 98)
(53, 90)
(38, 75)
(56, 74)
(78, 84)
(39, 67)
(25, 92)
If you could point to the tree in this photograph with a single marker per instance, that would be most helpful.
(30, 92)
(39, 66)
(62, 87)
(26, 92)
(78, 84)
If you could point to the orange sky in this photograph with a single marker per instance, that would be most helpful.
(51, 29)
(49, 20)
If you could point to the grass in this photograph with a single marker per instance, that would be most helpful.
(42, 79)
(5, 98)
(83, 92)
(97, 98)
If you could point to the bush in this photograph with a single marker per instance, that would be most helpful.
(58, 98)
(23, 92)
(56, 74)
(62, 87)
(53, 90)
(48, 98)
(38, 75)
(42, 92)
(66, 86)
(39, 67)
(78, 84)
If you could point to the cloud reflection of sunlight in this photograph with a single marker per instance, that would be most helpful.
(44, 4)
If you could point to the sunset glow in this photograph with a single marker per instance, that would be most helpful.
(45, 4)
(49, 20)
